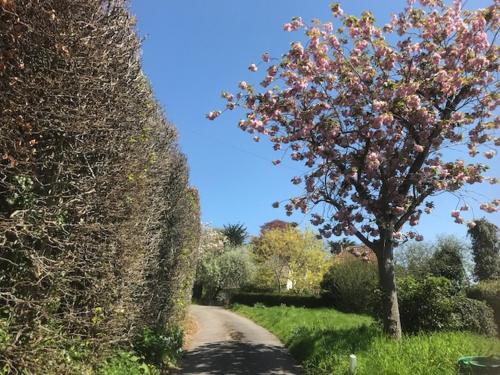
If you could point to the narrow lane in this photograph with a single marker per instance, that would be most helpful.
(229, 344)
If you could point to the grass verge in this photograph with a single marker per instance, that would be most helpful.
(322, 339)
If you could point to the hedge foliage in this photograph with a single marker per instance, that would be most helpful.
(276, 299)
(98, 224)
(433, 304)
(489, 292)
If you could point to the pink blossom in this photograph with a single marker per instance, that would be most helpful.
(471, 224)
(213, 115)
(243, 85)
(253, 68)
(490, 154)
(418, 148)
(357, 118)
(413, 102)
(336, 10)
(266, 57)
(378, 105)
(398, 210)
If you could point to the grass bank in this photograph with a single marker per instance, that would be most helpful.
(322, 339)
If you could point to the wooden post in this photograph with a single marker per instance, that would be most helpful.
(352, 364)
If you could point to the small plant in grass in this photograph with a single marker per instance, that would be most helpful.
(126, 363)
(160, 349)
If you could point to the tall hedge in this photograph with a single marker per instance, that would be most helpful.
(97, 221)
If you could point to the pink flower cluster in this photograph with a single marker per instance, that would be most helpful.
(370, 118)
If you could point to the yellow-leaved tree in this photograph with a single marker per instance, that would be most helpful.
(289, 258)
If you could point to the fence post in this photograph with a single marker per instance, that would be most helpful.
(352, 364)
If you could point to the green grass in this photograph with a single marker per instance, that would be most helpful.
(322, 339)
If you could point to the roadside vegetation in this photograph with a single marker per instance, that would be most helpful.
(99, 227)
(322, 340)
(445, 313)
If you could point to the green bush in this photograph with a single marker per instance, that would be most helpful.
(350, 286)
(426, 304)
(475, 316)
(126, 363)
(489, 292)
(433, 304)
(275, 299)
(160, 349)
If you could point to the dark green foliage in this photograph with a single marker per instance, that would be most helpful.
(475, 316)
(425, 305)
(236, 234)
(350, 285)
(160, 349)
(275, 299)
(447, 260)
(486, 250)
(489, 292)
(433, 304)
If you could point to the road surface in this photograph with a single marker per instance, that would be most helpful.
(228, 344)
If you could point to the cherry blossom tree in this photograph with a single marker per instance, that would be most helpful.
(371, 111)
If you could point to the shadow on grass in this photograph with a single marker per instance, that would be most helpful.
(306, 341)
(238, 358)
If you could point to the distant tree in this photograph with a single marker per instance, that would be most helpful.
(414, 259)
(227, 270)
(277, 224)
(336, 247)
(448, 260)
(291, 255)
(236, 234)
(485, 250)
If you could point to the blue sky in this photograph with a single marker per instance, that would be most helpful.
(194, 49)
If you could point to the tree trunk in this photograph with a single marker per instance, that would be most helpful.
(387, 279)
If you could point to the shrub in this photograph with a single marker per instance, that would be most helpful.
(350, 286)
(277, 299)
(475, 316)
(489, 292)
(126, 363)
(158, 349)
(425, 305)
(433, 304)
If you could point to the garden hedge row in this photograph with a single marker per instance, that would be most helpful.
(98, 224)
(274, 299)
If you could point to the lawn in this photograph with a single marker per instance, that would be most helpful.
(322, 339)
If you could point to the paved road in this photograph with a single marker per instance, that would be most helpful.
(228, 344)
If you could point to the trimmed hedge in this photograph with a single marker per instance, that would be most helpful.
(99, 229)
(274, 299)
